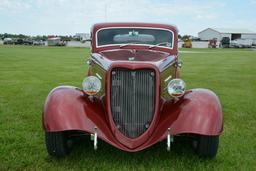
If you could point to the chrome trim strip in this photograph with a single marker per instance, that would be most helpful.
(105, 62)
(98, 76)
(95, 139)
(168, 140)
(168, 78)
(101, 61)
(166, 63)
(153, 28)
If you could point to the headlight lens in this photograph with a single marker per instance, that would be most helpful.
(176, 88)
(91, 85)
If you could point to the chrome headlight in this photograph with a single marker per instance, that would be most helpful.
(176, 87)
(91, 85)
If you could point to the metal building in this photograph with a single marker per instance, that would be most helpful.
(219, 33)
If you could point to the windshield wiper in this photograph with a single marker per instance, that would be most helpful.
(168, 44)
(123, 45)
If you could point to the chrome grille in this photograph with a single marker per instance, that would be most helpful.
(132, 100)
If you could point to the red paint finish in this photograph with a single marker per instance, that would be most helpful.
(67, 108)
(136, 55)
(160, 62)
(199, 112)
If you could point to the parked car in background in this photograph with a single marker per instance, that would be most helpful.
(19, 42)
(225, 42)
(38, 42)
(133, 96)
(241, 43)
(27, 42)
(254, 42)
(8, 41)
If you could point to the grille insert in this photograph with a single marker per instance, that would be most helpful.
(132, 100)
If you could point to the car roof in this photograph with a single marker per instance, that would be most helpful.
(134, 24)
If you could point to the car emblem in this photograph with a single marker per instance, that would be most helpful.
(131, 59)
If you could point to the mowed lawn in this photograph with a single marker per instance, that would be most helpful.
(27, 74)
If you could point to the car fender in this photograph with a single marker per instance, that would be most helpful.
(68, 108)
(198, 112)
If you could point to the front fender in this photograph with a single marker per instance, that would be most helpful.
(198, 112)
(66, 108)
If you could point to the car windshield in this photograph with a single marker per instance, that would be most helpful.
(140, 36)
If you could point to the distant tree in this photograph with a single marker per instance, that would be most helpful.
(44, 38)
(14, 36)
(65, 38)
(21, 36)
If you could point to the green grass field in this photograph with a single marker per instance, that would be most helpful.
(27, 74)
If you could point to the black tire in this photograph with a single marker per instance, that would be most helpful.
(206, 146)
(57, 144)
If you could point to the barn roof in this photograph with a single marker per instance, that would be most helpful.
(232, 30)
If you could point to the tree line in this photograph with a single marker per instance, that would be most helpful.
(38, 37)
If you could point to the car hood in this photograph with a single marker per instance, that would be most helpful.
(157, 58)
(135, 55)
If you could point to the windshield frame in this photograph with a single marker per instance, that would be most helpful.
(133, 44)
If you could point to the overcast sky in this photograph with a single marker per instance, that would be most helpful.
(67, 17)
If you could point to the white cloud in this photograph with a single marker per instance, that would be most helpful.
(14, 6)
(71, 16)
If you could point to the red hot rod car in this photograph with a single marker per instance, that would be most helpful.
(133, 96)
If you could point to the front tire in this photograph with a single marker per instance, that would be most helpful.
(206, 146)
(57, 144)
